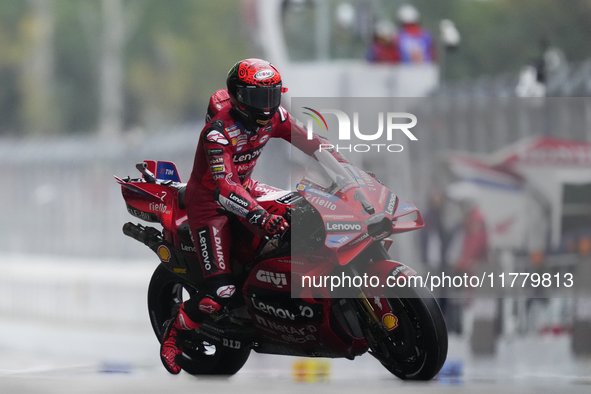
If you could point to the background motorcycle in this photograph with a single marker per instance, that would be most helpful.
(340, 218)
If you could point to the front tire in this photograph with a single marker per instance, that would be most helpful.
(417, 348)
(165, 293)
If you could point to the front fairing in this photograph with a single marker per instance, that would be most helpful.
(356, 209)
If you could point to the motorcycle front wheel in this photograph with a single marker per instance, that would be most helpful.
(165, 293)
(417, 348)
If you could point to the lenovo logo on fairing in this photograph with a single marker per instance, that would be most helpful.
(343, 226)
(391, 204)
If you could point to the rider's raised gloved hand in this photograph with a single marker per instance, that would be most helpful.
(272, 224)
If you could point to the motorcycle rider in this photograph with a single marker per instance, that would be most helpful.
(239, 124)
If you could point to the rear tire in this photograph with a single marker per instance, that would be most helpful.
(165, 293)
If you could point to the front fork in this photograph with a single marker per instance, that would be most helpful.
(369, 320)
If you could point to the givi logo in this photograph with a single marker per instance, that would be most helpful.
(274, 278)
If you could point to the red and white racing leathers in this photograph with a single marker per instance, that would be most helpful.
(226, 156)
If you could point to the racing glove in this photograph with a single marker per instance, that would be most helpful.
(272, 224)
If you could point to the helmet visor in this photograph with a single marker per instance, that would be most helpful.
(259, 97)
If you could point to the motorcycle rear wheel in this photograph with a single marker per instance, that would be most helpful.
(417, 348)
(165, 292)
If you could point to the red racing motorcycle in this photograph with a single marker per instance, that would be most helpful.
(340, 219)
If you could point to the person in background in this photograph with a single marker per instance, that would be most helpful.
(475, 244)
(383, 48)
(414, 43)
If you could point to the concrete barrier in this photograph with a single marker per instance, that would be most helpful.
(75, 291)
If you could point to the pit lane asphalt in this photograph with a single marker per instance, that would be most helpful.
(49, 358)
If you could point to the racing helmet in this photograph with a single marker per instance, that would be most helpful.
(255, 90)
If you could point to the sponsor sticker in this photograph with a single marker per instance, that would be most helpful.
(292, 312)
(216, 160)
(225, 291)
(381, 236)
(216, 137)
(158, 207)
(344, 227)
(167, 171)
(375, 218)
(321, 201)
(216, 169)
(264, 139)
(348, 187)
(247, 156)
(313, 190)
(289, 198)
(215, 152)
(382, 195)
(239, 200)
(378, 302)
(264, 74)
(274, 278)
(206, 250)
(164, 253)
(283, 114)
(233, 134)
(390, 204)
(231, 343)
(337, 240)
(148, 217)
(233, 207)
(291, 262)
(207, 309)
(360, 239)
(338, 217)
(218, 249)
(240, 140)
(188, 248)
(390, 321)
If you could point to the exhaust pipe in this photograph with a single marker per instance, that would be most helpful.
(149, 236)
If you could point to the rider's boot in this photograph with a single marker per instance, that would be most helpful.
(170, 348)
